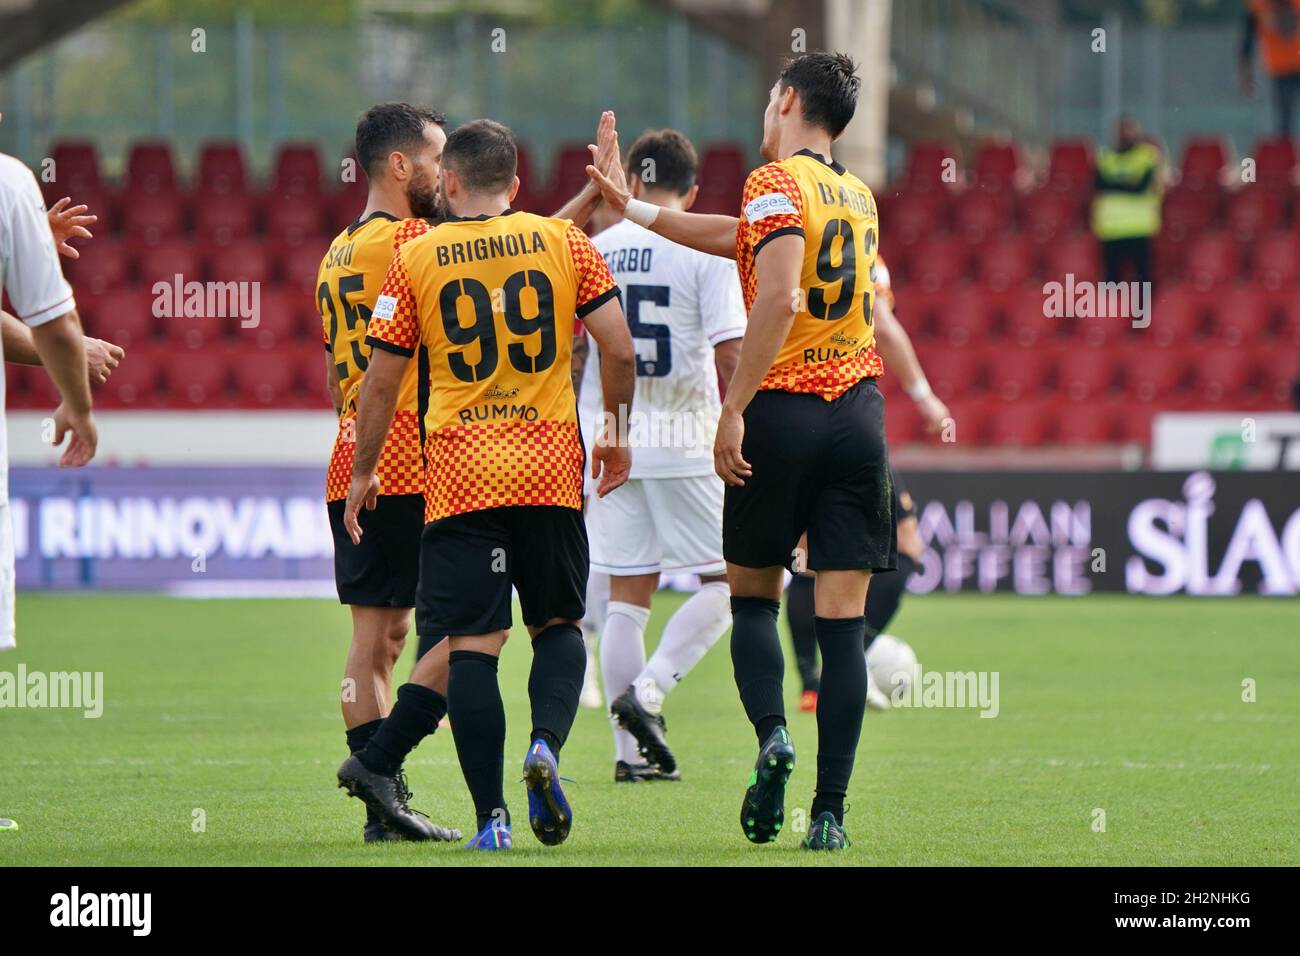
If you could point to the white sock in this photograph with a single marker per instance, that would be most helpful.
(688, 635)
(622, 655)
(597, 603)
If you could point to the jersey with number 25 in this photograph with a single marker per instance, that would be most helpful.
(831, 345)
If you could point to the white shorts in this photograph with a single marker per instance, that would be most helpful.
(673, 525)
(6, 577)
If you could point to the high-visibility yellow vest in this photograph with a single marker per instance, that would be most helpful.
(1120, 214)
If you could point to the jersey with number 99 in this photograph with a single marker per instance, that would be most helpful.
(831, 345)
(492, 302)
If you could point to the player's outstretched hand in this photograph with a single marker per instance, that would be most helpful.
(84, 440)
(933, 412)
(70, 222)
(101, 358)
(608, 175)
(611, 464)
(364, 490)
(728, 462)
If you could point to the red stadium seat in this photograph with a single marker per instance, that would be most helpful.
(29, 386)
(266, 379)
(902, 423)
(722, 178)
(1073, 255)
(966, 318)
(1024, 423)
(1276, 163)
(1018, 373)
(344, 206)
(290, 218)
(198, 379)
(1204, 158)
(123, 316)
(222, 219)
(1256, 210)
(152, 217)
(982, 212)
(134, 383)
(1132, 420)
(1085, 375)
(76, 167)
(202, 331)
(168, 259)
(1287, 307)
(1070, 167)
(569, 173)
(955, 372)
(1047, 213)
(1188, 212)
(1278, 372)
(221, 169)
(931, 166)
(1179, 316)
(298, 170)
(1212, 260)
(1241, 316)
(1224, 376)
(530, 188)
(1005, 262)
(247, 260)
(299, 266)
(149, 168)
(998, 165)
(1028, 322)
(916, 215)
(1086, 424)
(105, 264)
(937, 263)
(1153, 375)
(1277, 261)
(281, 319)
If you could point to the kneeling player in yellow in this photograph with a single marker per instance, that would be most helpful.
(489, 300)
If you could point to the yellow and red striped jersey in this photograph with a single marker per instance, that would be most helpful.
(492, 301)
(831, 345)
(347, 284)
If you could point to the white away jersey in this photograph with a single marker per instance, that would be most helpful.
(680, 304)
(29, 266)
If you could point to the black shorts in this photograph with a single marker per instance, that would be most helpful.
(820, 466)
(468, 563)
(383, 569)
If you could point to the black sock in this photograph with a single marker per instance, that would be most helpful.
(414, 717)
(555, 682)
(799, 616)
(884, 595)
(757, 661)
(840, 705)
(427, 643)
(478, 724)
(358, 737)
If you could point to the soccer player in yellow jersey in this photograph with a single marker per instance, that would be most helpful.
(489, 299)
(399, 147)
(800, 440)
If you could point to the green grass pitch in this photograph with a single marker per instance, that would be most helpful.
(225, 712)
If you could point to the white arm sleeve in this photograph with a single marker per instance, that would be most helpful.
(721, 305)
(29, 261)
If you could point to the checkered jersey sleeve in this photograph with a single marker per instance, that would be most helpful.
(393, 325)
(771, 206)
(596, 285)
(408, 229)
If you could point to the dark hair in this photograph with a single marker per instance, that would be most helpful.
(483, 154)
(673, 161)
(827, 85)
(391, 126)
